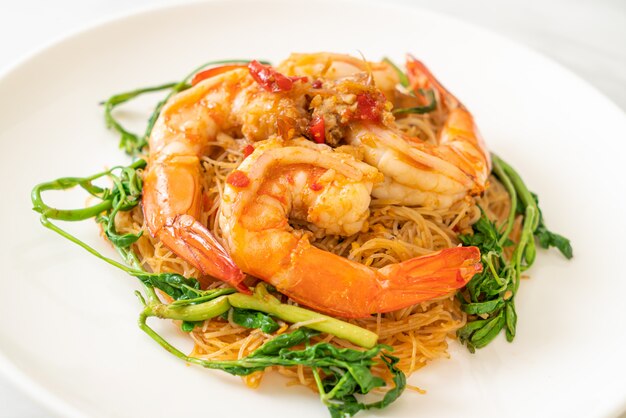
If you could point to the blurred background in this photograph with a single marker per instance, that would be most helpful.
(586, 36)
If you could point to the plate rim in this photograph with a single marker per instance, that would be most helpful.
(115, 17)
(55, 403)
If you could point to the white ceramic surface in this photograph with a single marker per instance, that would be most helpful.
(68, 333)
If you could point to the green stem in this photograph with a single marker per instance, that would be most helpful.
(118, 99)
(130, 258)
(520, 187)
(153, 298)
(294, 314)
(488, 260)
(526, 235)
(497, 168)
(250, 363)
(138, 271)
(161, 341)
(404, 80)
(45, 222)
(76, 214)
(65, 183)
(319, 384)
(531, 216)
(205, 296)
(197, 312)
(338, 386)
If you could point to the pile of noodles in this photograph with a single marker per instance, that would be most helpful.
(395, 233)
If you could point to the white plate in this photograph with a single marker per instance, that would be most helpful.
(68, 332)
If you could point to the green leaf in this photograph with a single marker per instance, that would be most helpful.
(122, 241)
(254, 319)
(274, 346)
(348, 371)
(130, 142)
(468, 329)
(501, 277)
(490, 329)
(550, 239)
(343, 388)
(176, 286)
(343, 403)
(479, 333)
(486, 236)
(119, 241)
(511, 320)
(202, 296)
(399, 380)
(109, 197)
(530, 252)
(482, 307)
(188, 326)
(349, 355)
(487, 288)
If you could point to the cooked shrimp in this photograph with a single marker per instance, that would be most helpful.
(343, 88)
(329, 66)
(331, 190)
(232, 101)
(420, 173)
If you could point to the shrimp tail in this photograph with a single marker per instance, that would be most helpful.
(428, 277)
(335, 285)
(420, 77)
(196, 244)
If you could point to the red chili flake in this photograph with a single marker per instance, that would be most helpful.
(238, 179)
(369, 107)
(317, 129)
(247, 150)
(270, 79)
(316, 187)
(317, 84)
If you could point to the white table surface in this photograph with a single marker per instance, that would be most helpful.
(586, 36)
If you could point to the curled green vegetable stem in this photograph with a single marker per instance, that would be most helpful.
(65, 183)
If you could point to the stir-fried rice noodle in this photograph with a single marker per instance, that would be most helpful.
(395, 233)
